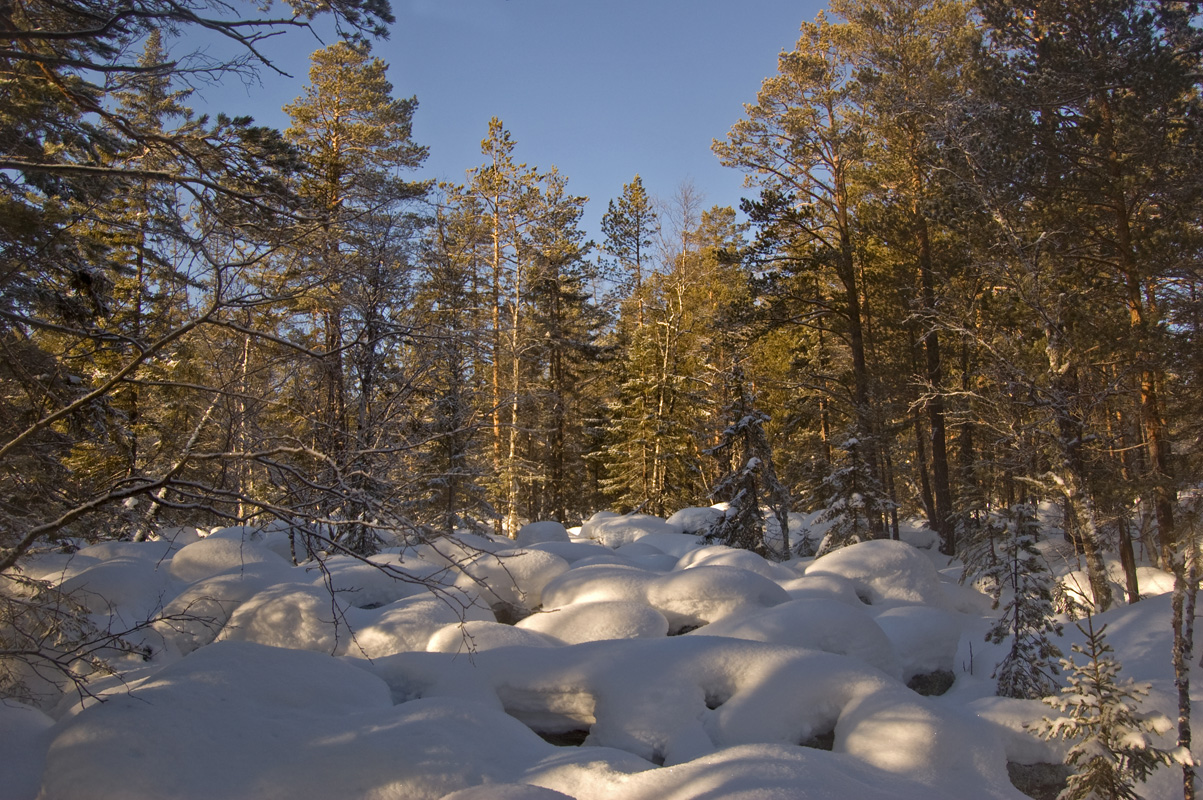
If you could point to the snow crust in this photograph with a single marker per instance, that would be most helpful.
(463, 669)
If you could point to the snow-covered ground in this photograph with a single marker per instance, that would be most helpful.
(652, 667)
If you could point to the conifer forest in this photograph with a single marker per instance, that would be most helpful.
(959, 307)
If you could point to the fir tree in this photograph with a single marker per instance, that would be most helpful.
(1027, 618)
(751, 484)
(1112, 751)
(853, 500)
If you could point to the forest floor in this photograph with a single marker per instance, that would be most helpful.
(620, 661)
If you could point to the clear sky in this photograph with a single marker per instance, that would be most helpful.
(602, 89)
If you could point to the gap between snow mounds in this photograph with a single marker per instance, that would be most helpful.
(675, 700)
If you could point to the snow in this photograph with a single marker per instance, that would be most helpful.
(25, 732)
(594, 622)
(463, 669)
(615, 530)
(214, 556)
(516, 577)
(885, 572)
(540, 532)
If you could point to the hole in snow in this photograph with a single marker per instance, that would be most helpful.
(821, 741)
(932, 684)
(508, 613)
(657, 758)
(561, 716)
(684, 629)
(573, 738)
(1038, 781)
(864, 598)
(715, 699)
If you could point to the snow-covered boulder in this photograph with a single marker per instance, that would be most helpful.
(926, 639)
(237, 720)
(816, 624)
(539, 532)
(289, 615)
(196, 615)
(598, 583)
(697, 596)
(615, 530)
(130, 590)
(592, 622)
(476, 635)
(214, 556)
(407, 624)
(724, 556)
(884, 572)
(374, 582)
(695, 519)
(512, 577)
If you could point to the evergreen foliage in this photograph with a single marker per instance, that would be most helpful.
(1027, 620)
(1112, 750)
(751, 485)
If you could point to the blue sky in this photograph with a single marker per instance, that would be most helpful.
(603, 89)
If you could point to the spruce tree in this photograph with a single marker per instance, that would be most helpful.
(751, 484)
(1027, 619)
(1101, 714)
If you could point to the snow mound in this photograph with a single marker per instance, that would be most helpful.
(213, 556)
(237, 720)
(700, 595)
(724, 556)
(25, 732)
(197, 615)
(514, 577)
(455, 550)
(574, 550)
(281, 538)
(289, 615)
(695, 520)
(591, 622)
(158, 550)
(927, 743)
(540, 532)
(364, 584)
(817, 624)
(509, 791)
(884, 572)
(828, 587)
(595, 583)
(615, 530)
(926, 639)
(407, 624)
(130, 590)
(477, 635)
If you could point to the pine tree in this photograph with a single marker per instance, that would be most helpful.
(1112, 751)
(354, 139)
(1027, 618)
(803, 143)
(909, 57)
(631, 226)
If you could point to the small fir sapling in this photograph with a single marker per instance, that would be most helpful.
(751, 481)
(1112, 751)
(853, 502)
(1018, 570)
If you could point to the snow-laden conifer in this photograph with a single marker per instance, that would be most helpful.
(1112, 750)
(1018, 571)
(751, 481)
